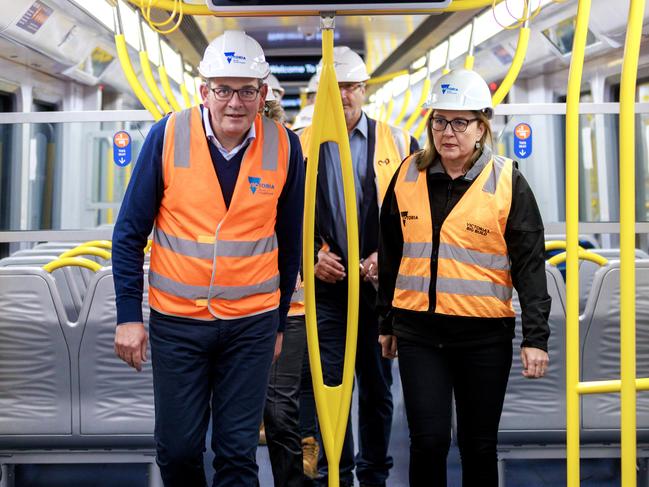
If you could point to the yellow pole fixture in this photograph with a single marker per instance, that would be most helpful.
(72, 261)
(627, 242)
(122, 54)
(183, 86)
(386, 77)
(423, 96)
(572, 243)
(583, 255)
(148, 74)
(517, 63)
(556, 245)
(101, 244)
(333, 402)
(421, 126)
(164, 81)
(404, 104)
(83, 250)
(470, 58)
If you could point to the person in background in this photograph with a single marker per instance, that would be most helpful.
(377, 149)
(223, 189)
(460, 228)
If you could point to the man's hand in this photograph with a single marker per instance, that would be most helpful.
(278, 345)
(388, 346)
(130, 344)
(535, 362)
(328, 268)
(370, 268)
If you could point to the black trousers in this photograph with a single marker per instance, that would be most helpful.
(281, 415)
(430, 376)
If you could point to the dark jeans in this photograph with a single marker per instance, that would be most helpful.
(227, 362)
(477, 376)
(281, 415)
(308, 420)
(373, 379)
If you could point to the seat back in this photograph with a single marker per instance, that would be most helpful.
(600, 353)
(35, 371)
(535, 410)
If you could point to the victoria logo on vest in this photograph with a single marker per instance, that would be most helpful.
(405, 217)
(258, 186)
(472, 227)
(384, 162)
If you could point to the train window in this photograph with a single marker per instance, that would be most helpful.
(562, 34)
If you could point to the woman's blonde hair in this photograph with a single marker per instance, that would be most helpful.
(427, 156)
(274, 111)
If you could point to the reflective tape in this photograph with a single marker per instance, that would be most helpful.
(234, 248)
(417, 250)
(176, 288)
(269, 152)
(182, 246)
(466, 256)
(232, 293)
(413, 283)
(182, 132)
(491, 183)
(298, 296)
(413, 172)
(470, 287)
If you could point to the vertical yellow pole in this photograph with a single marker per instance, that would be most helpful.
(627, 242)
(572, 243)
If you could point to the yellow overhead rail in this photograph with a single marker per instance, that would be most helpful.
(125, 61)
(333, 402)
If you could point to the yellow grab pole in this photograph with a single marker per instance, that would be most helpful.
(127, 67)
(389, 110)
(470, 58)
(164, 81)
(515, 67)
(572, 243)
(332, 402)
(151, 83)
(421, 126)
(627, 241)
(425, 89)
(185, 94)
(404, 107)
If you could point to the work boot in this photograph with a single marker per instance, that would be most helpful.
(310, 451)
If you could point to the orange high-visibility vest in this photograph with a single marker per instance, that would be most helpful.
(473, 272)
(209, 261)
(297, 302)
(392, 145)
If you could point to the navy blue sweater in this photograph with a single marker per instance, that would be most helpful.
(140, 208)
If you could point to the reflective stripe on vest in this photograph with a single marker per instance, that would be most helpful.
(297, 302)
(473, 272)
(207, 260)
(392, 145)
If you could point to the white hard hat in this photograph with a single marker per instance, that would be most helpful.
(303, 118)
(312, 87)
(234, 54)
(273, 84)
(461, 89)
(270, 96)
(348, 65)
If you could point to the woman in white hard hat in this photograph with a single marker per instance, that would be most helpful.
(459, 227)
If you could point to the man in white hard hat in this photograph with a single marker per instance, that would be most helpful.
(377, 150)
(223, 190)
(275, 86)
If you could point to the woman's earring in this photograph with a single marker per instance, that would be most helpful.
(477, 144)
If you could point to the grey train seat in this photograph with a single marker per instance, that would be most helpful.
(116, 402)
(535, 410)
(35, 368)
(600, 353)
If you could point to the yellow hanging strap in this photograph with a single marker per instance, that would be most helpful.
(425, 91)
(185, 93)
(164, 81)
(333, 402)
(127, 67)
(517, 63)
(404, 105)
(572, 243)
(176, 15)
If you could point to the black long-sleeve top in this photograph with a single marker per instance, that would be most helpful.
(525, 246)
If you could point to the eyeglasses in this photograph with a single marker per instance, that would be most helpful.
(225, 93)
(350, 87)
(457, 124)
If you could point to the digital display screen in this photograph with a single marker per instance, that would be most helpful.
(251, 6)
(299, 68)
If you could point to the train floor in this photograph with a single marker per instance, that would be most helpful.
(519, 473)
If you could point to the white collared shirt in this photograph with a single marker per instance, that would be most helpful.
(250, 136)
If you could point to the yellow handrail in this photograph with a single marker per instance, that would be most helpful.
(333, 402)
(151, 83)
(384, 78)
(102, 244)
(164, 81)
(572, 241)
(127, 67)
(404, 107)
(83, 250)
(556, 245)
(425, 91)
(583, 255)
(514, 68)
(72, 261)
(627, 242)
(185, 95)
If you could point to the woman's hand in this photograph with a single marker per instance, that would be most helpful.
(388, 346)
(535, 362)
